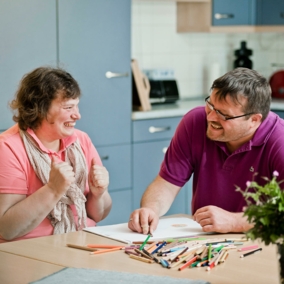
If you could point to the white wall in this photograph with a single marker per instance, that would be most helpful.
(156, 44)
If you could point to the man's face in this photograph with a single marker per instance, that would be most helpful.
(234, 132)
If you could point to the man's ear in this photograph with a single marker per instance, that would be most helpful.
(256, 118)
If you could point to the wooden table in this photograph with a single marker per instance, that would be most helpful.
(258, 268)
(19, 269)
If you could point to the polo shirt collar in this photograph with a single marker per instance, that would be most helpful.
(64, 143)
(260, 137)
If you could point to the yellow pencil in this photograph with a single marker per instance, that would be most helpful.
(141, 258)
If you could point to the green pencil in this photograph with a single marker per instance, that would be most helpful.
(145, 242)
(209, 251)
(184, 239)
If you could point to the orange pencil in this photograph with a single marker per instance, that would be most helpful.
(106, 250)
(104, 246)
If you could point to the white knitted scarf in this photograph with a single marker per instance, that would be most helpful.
(61, 216)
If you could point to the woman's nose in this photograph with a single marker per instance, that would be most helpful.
(76, 115)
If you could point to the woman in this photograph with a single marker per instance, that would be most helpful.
(51, 177)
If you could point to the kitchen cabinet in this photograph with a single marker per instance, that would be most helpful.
(231, 12)
(121, 207)
(27, 41)
(91, 40)
(94, 41)
(151, 138)
(270, 12)
(94, 46)
(230, 16)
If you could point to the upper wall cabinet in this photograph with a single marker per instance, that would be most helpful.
(230, 16)
(270, 12)
(27, 41)
(231, 12)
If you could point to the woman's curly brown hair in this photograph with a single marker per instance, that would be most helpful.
(36, 92)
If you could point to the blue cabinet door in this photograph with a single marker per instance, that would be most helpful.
(94, 38)
(232, 12)
(117, 160)
(27, 41)
(147, 158)
(270, 12)
(121, 208)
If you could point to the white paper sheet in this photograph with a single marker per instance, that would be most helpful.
(167, 228)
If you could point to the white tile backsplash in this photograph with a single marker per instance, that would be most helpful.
(156, 44)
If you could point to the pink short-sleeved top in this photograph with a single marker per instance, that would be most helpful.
(17, 175)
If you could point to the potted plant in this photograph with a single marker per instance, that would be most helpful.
(265, 209)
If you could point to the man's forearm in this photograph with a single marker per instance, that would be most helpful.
(159, 196)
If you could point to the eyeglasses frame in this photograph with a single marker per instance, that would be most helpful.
(220, 114)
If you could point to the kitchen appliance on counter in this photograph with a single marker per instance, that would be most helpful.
(276, 82)
(163, 91)
(163, 86)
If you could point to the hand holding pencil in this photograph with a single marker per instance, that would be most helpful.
(143, 220)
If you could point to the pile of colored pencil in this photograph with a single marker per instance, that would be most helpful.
(182, 254)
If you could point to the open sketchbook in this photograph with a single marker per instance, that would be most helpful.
(168, 228)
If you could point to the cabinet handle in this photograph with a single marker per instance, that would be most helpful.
(153, 129)
(110, 75)
(223, 16)
(165, 150)
(103, 158)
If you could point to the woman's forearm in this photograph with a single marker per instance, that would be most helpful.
(20, 214)
(98, 207)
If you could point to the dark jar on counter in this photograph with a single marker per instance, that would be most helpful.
(242, 55)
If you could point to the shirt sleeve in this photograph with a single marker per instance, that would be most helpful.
(177, 165)
(13, 170)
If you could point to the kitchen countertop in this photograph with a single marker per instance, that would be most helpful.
(181, 107)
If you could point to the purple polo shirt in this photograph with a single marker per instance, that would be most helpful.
(216, 172)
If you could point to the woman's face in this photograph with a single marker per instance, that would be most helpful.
(61, 118)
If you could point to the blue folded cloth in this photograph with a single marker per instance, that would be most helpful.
(83, 275)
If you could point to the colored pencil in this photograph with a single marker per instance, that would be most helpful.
(188, 263)
(251, 252)
(106, 250)
(145, 242)
(104, 246)
(248, 248)
(141, 258)
(81, 247)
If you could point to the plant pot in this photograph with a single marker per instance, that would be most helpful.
(280, 249)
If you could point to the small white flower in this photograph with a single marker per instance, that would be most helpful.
(275, 173)
(248, 183)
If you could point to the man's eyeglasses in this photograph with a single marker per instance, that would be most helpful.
(220, 114)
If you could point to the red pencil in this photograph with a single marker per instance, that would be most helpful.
(188, 263)
(210, 266)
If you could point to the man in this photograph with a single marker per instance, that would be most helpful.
(234, 139)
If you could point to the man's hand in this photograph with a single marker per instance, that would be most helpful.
(98, 179)
(215, 219)
(143, 220)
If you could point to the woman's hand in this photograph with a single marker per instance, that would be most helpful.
(98, 179)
